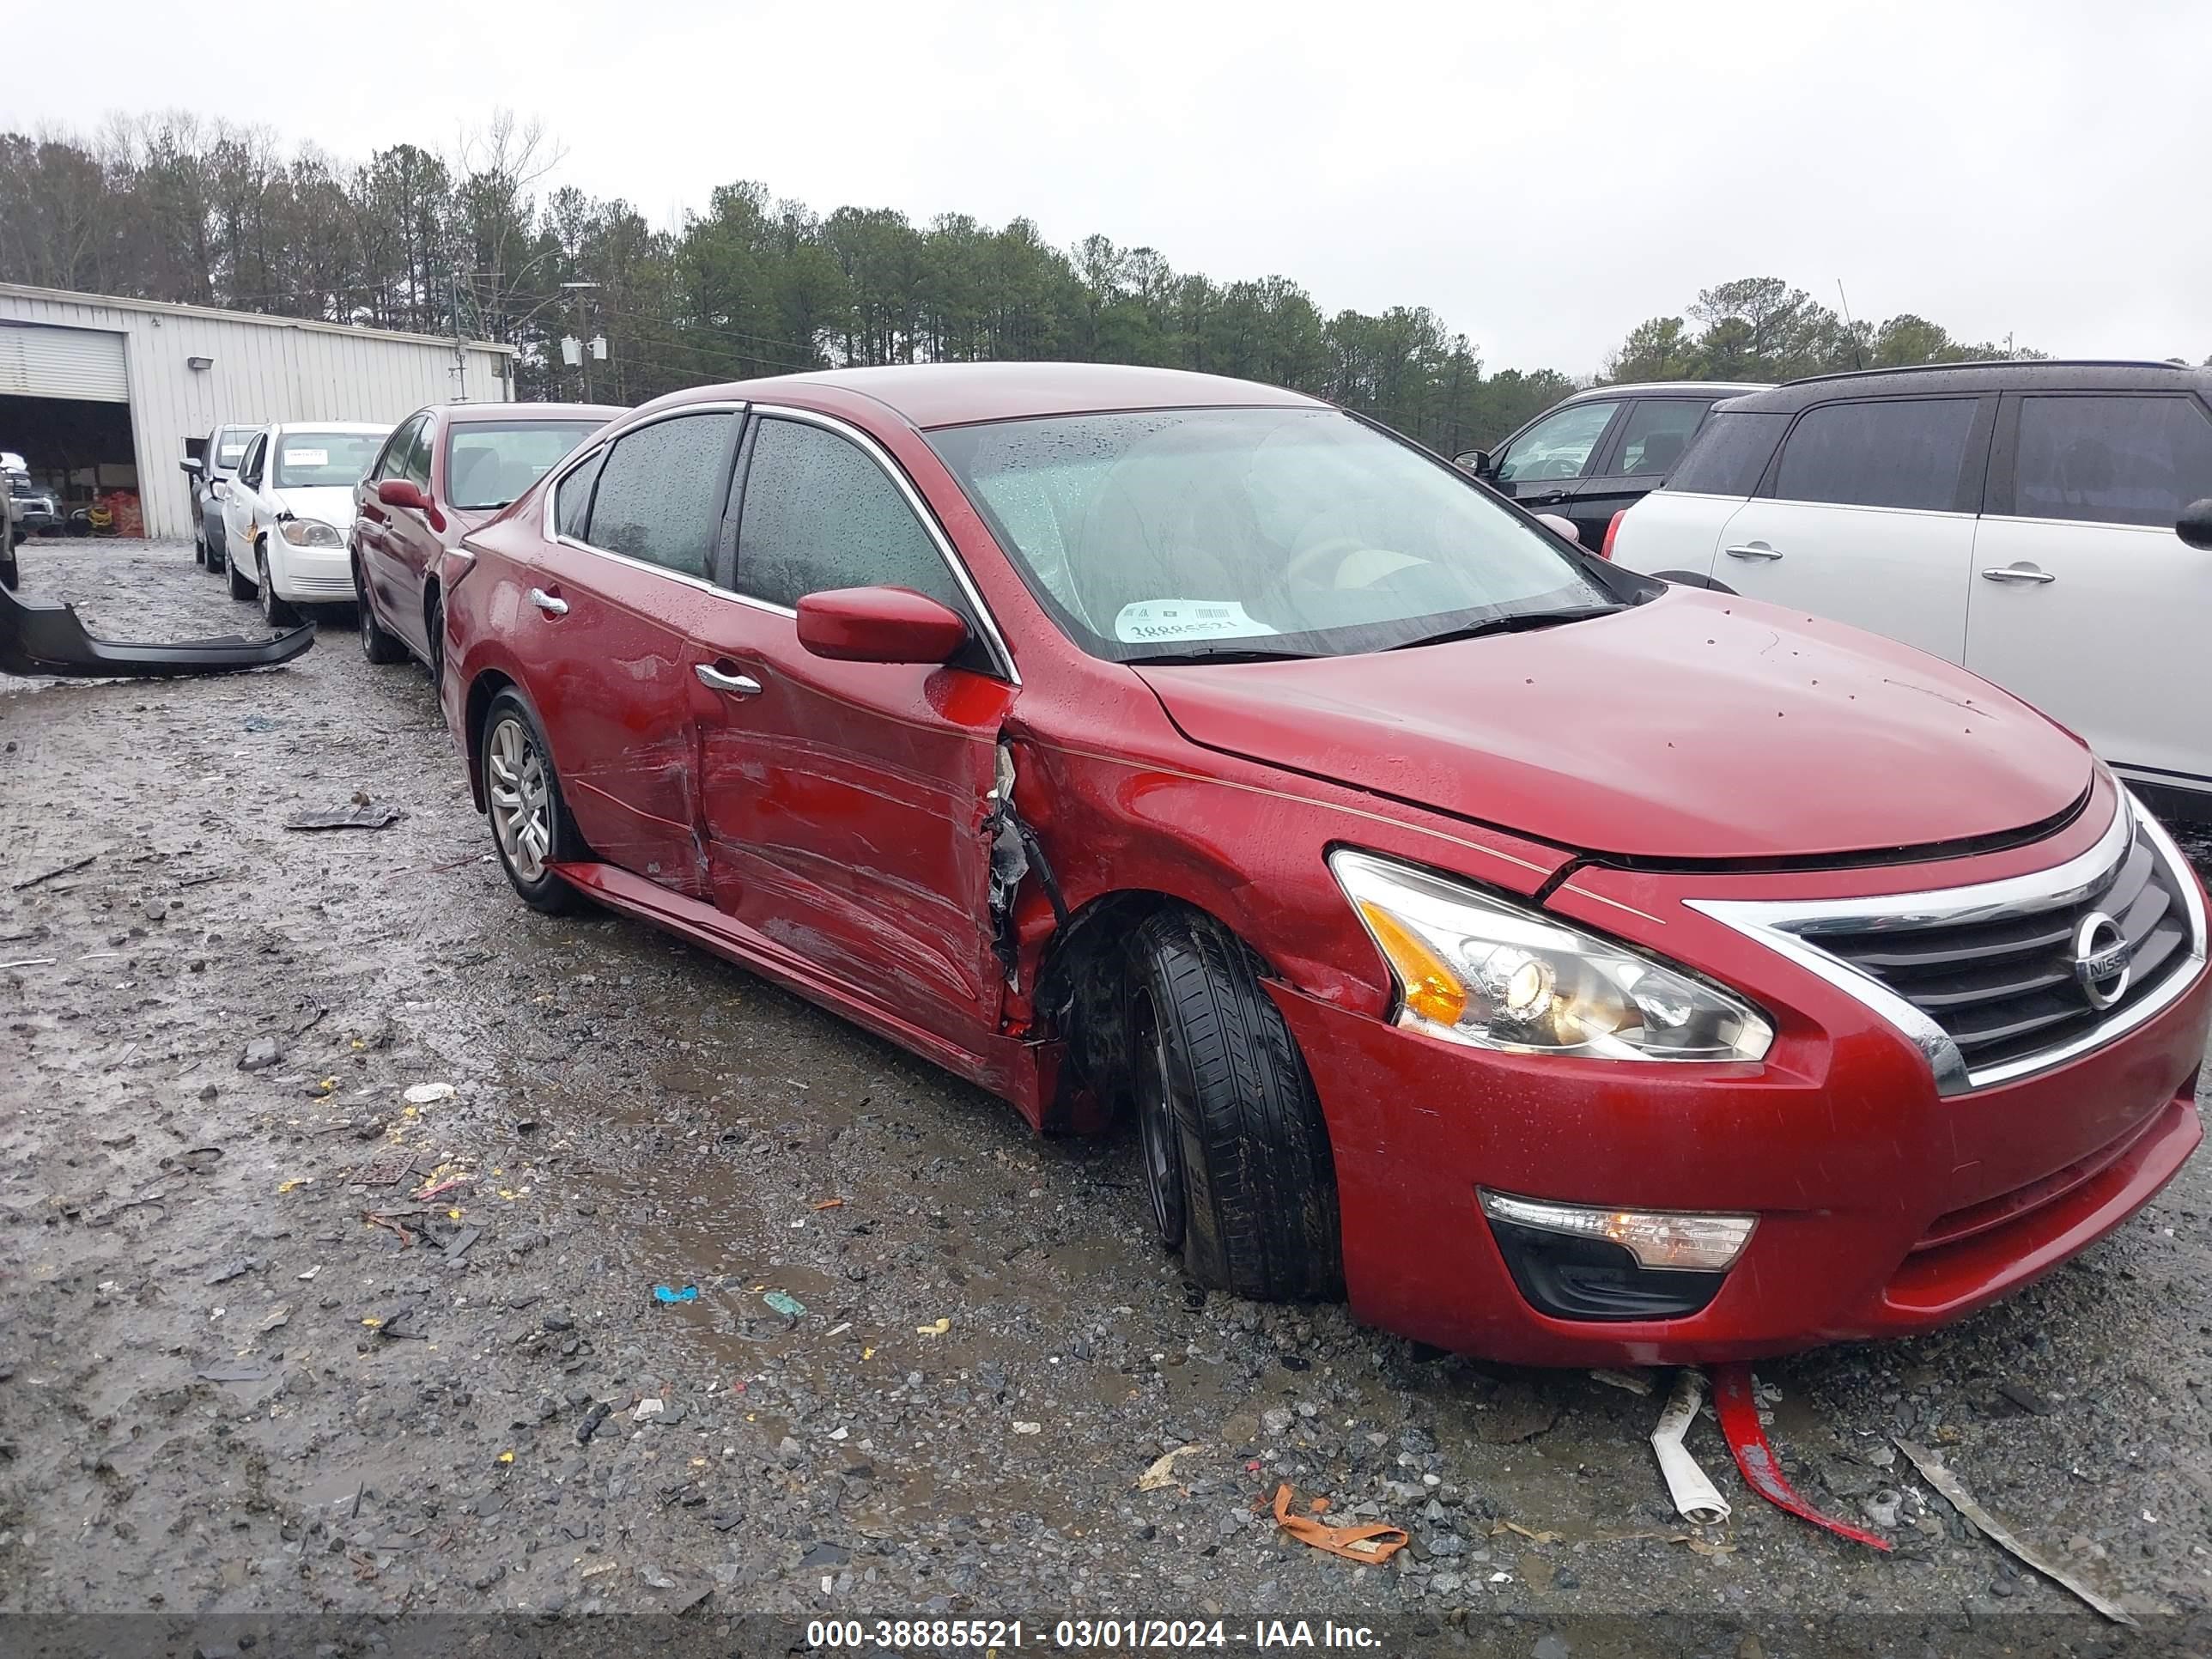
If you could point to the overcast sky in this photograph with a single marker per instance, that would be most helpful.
(1543, 175)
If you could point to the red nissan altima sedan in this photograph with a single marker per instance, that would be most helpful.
(1566, 966)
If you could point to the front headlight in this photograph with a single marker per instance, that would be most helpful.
(311, 532)
(1481, 971)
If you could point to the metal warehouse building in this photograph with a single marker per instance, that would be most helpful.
(99, 393)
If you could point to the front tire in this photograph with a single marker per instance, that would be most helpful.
(274, 611)
(530, 825)
(240, 588)
(1236, 1155)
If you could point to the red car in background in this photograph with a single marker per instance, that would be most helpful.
(1570, 968)
(444, 470)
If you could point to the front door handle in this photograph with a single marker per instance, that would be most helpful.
(738, 685)
(547, 604)
(1751, 550)
(1551, 498)
(2018, 573)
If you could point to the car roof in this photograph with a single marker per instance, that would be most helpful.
(459, 414)
(2072, 374)
(332, 426)
(960, 394)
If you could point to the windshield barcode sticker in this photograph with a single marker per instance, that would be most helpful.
(1187, 619)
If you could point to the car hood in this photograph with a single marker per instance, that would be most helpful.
(1694, 726)
(331, 503)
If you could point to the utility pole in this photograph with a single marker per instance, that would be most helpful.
(583, 339)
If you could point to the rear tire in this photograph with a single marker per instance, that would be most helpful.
(240, 588)
(1236, 1155)
(529, 816)
(376, 644)
(434, 637)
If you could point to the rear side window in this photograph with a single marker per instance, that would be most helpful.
(1908, 453)
(2111, 460)
(1731, 455)
(661, 491)
(1656, 434)
(572, 498)
(820, 514)
(1556, 446)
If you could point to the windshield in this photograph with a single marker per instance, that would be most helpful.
(312, 460)
(489, 463)
(1248, 531)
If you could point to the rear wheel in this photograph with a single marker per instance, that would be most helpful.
(529, 823)
(434, 635)
(240, 588)
(1237, 1157)
(378, 646)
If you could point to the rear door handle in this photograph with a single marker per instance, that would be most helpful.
(738, 685)
(1751, 550)
(2014, 573)
(545, 602)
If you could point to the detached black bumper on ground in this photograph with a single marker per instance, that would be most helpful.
(40, 637)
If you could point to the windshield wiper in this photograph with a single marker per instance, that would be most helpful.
(1221, 654)
(1519, 623)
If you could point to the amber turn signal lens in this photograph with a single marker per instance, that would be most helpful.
(1430, 988)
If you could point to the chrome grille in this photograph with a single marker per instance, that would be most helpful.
(1999, 980)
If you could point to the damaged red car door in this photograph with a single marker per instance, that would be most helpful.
(845, 804)
(604, 628)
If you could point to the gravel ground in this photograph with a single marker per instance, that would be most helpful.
(223, 1390)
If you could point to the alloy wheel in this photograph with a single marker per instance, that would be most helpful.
(1159, 1138)
(521, 798)
(367, 618)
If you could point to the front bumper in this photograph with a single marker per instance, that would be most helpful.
(1883, 1208)
(310, 575)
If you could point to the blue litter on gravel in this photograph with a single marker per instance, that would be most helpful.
(789, 1307)
(689, 1293)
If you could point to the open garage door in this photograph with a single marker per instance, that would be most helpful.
(63, 363)
(65, 406)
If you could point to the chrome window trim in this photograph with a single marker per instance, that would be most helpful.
(994, 640)
(2078, 524)
(548, 525)
(1787, 925)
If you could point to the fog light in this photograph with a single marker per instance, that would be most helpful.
(1663, 1239)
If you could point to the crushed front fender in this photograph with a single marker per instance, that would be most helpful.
(38, 636)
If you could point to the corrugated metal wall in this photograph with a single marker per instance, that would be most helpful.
(260, 368)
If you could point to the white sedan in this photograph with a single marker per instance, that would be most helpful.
(287, 511)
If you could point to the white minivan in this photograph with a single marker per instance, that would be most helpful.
(2047, 525)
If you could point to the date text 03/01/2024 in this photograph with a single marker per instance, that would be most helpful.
(1077, 1634)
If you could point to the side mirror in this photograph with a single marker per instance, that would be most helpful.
(1479, 462)
(193, 465)
(878, 625)
(197, 448)
(1563, 526)
(403, 492)
(2195, 524)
